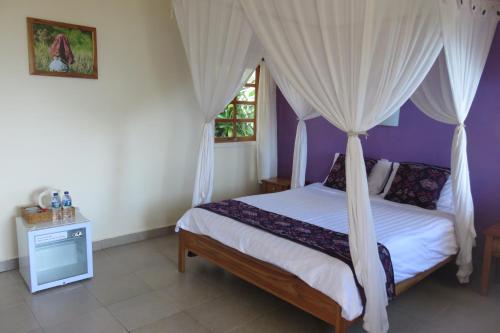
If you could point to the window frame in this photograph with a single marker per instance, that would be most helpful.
(235, 120)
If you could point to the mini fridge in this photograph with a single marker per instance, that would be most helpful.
(54, 253)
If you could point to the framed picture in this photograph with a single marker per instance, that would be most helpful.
(392, 121)
(61, 49)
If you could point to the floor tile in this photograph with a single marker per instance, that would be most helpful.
(159, 276)
(106, 267)
(168, 246)
(96, 321)
(109, 291)
(191, 290)
(11, 295)
(10, 278)
(209, 271)
(460, 318)
(224, 313)
(146, 294)
(254, 296)
(145, 309)
(424, 302)
(69, 304)
(17, 319)
(178, 323)
(287, 319)
(28, 296)
(400, 321)
(135, 256)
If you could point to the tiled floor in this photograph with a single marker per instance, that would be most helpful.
(137, 289)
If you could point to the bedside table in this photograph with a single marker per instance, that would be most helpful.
(491, 249)
(275, 185)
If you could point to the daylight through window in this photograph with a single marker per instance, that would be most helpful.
(238, 120)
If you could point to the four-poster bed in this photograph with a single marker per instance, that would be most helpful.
(354, 62)
(419, 240)
(277, 281)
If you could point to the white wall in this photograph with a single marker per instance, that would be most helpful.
(236, 170)
(125, 145)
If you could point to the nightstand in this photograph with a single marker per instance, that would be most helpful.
(274, 185)
(491, 249)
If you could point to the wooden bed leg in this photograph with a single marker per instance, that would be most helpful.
(182, 254)
(340, 326)
(488, 248)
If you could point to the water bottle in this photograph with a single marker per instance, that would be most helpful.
(55, 203)
(66, 206)
(66, 200)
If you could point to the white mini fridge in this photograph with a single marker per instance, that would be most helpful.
(54, 253)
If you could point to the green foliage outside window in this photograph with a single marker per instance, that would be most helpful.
(237, 121)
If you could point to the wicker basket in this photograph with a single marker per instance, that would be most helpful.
(35, 214)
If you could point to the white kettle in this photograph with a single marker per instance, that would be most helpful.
(45, 197)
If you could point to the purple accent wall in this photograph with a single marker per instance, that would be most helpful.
(418, 138)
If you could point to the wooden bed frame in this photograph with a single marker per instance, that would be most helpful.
(276, 281)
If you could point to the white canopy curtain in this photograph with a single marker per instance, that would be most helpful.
(304, 111)
(267, 136)
(217, 39)
(355, 62)
(446, 95)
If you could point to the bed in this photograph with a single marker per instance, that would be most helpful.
(419, 241)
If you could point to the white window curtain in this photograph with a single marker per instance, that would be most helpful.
(304, 111)
(267, 133)
(446, 95)
(217, 39)
(356, 62)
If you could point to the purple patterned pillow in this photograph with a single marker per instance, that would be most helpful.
(418, 184)
(337, 178)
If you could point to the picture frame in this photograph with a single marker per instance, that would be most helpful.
(392, 121)
(62, 49)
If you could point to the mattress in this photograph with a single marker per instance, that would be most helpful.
(416, 238)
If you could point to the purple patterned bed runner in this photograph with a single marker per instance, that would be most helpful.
(333, 243)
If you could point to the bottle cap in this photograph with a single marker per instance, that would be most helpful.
(66, 192)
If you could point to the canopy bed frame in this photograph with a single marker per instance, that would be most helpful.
(277, 281)
(436, 60)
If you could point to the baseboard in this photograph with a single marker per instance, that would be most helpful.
(8, 265)
(132, 238)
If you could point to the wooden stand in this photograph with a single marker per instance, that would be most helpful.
(274, 280)
(491, 250)
(272, 185)
(35, 214)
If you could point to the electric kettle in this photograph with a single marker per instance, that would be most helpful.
(45, 197)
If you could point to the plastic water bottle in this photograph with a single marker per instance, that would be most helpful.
(66, 206)
(66, 200)
(55, 203)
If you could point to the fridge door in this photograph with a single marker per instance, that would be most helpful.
(60, 255)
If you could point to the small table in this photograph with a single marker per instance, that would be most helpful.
(491, 249)
(275, 184)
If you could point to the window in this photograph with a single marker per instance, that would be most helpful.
(237, 121)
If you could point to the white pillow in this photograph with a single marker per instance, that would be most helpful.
(378, 176)
(445, 202)
(333, 163)
(387, 187)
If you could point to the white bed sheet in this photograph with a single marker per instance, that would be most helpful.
(416, 238)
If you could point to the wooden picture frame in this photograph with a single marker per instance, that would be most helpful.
(61, 49)
(234, 120)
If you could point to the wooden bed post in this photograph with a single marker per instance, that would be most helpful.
(340, 325)
(182, 253)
